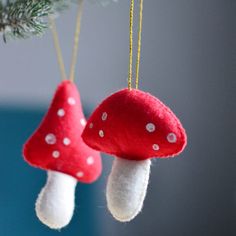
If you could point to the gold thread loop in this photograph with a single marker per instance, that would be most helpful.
(75, 46)
(57, 48)
(131, 44)
(76, 40)
(131, 16)
(139, 43)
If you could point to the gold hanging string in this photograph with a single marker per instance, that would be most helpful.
(131, 22)
(75, 46)
(131, 44)
(139, 43)
(58, 48)
(76, 40)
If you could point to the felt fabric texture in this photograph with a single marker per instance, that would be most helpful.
(55, 204)
(57, 144)
(135, 125)
(127, 187)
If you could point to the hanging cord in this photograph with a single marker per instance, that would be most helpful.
(58, 48)
(75, 46)
(131, 23)
(76, 40)
(131, 43)
(139, 43)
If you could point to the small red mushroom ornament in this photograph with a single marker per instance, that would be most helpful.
(57, 146)
(134, 126)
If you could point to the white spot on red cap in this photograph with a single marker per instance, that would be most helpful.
(66, 141)
(150, 127)
(104, 116)
(171, 138)
(61, 112)
(80, 174)
(101, 133)
(83, 122)
(91, 125)
(90, 160)
(155, 147)
(50, 139)
(56, 154)
(71, 101)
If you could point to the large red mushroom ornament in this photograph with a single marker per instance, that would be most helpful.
(134, 126)
(57, 146)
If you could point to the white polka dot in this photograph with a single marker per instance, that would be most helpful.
(104, 116)
(61, 112)
(155, 147)
(150, 127)
(50, 139)
(80, 174)
(91, 125)
(83, 122)
(71, 101)
(66, 141)
(90, 160)
(101, 133)
(56, 154)
(171, 137)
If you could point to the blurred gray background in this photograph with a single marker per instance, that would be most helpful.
(188, 61)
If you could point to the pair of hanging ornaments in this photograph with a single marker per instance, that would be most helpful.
(131, 125)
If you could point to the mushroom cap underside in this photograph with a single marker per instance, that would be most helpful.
(57, 144)
(135, 125)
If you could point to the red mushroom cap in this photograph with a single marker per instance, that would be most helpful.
(134, 125)
(57, 144)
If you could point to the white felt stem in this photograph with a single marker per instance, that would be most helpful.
(126, 188)
(55, 203)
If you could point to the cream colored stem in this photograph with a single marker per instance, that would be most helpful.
(126, 188)
(55, 204)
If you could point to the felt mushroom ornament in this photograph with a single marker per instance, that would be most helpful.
(57, 146)
(134, 127)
